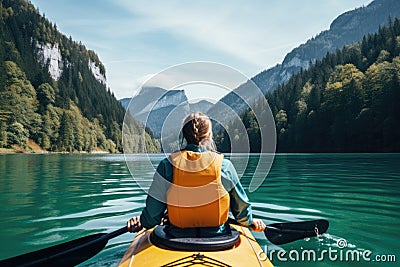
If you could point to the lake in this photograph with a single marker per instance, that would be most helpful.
(50, 199)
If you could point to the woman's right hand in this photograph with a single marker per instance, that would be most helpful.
(134, 225)
(258, 225)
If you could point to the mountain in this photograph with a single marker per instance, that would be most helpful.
(53, 91)
(159, 109)
(201, 106)
(346, 29)
(155, 106)
(145, 97)
(345, 102)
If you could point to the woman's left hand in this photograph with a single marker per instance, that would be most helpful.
(133, 225)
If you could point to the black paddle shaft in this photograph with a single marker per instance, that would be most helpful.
(282, 233)
(66, 254)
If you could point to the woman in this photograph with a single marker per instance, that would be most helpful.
(197, 187)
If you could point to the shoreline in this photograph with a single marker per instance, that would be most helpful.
(10, 151)
(14, 151)
(2, 152)
(34, 148)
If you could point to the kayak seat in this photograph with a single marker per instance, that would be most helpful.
(161, 238)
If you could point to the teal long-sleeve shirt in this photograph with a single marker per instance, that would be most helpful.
(156, 200)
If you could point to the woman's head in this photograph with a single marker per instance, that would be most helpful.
(197, 129)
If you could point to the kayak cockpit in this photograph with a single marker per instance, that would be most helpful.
(242, 250)
(160, 238)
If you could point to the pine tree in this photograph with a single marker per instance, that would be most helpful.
(3, 134)
(65, 134)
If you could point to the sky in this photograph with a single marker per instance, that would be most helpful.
(138, 39)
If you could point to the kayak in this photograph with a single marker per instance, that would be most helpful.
(155, 248)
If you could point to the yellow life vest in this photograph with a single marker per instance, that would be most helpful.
(197, 197)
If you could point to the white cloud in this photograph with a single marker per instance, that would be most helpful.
(220, 29)
(259, 32)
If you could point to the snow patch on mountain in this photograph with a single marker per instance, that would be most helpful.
(50, 55)
(96, 72)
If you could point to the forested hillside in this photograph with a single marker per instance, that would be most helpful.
(52, 89)
(346, 102)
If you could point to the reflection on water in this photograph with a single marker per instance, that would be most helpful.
(49, 199)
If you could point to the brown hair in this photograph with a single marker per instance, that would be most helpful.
(197, 129)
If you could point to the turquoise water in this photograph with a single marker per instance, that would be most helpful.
(50, 199)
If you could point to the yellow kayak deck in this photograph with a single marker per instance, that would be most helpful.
(246, 252)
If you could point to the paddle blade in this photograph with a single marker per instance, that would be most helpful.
(282, 233)
(66, 254)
